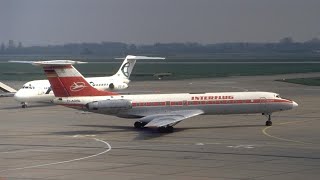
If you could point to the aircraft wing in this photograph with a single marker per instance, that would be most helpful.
(170, 118)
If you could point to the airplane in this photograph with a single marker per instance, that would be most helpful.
(161, 111)
(40, 90)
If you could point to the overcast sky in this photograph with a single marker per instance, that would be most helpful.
(43, 22)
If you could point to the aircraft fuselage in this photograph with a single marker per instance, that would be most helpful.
(209, 103)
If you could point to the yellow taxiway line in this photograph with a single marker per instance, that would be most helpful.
(264, 131)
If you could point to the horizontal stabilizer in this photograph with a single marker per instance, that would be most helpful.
(7, 94)
(130, 57)
(127, 66)
(6, 88)
(51, 62)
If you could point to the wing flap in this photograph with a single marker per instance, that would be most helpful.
(170, 118)
(163, 121)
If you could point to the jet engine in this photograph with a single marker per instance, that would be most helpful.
(114, 104)
(117, 86)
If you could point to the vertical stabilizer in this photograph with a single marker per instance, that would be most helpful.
(126, 67)
(66, 81)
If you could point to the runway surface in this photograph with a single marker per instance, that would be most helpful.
(53, 143)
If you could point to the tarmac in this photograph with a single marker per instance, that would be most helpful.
(52, 142)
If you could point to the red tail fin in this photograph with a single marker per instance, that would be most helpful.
(66, 81)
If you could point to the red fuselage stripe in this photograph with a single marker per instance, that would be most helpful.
(195, 103)
(192, 103)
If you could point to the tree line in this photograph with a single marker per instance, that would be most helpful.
(285, 45)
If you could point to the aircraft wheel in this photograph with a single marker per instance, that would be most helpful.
(168, 129)
(268, 123)
(161, 129)
(24, 105)
(138, 125)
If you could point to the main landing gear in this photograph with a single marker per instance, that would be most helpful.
(139, 124)
(162, 129)
(268, 122)
(165, 129)
(24, 105)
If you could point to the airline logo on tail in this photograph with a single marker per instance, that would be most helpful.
(125, 69)
(66, 81)
(77, 86)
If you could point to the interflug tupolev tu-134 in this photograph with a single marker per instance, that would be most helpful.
(161, 111)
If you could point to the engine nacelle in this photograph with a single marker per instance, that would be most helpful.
(114, 104)
(117, 86)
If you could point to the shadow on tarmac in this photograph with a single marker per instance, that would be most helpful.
(29, 107)
(142, 134)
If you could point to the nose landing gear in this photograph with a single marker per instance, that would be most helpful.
(24, 105)
(268, 122)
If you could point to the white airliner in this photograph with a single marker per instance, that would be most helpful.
(161, 111)
(40, 90)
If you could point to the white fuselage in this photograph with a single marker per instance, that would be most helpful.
(209, 103)
(40, 91)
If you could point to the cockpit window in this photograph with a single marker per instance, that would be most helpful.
(278, 96)
(28, 87)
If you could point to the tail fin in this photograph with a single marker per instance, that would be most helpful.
(127, 66)
(66, 81)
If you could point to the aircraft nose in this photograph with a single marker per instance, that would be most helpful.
(17, 95)
(20, 96)
(294, 104)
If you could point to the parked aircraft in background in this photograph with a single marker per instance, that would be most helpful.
(161, 111)
(40, 90)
